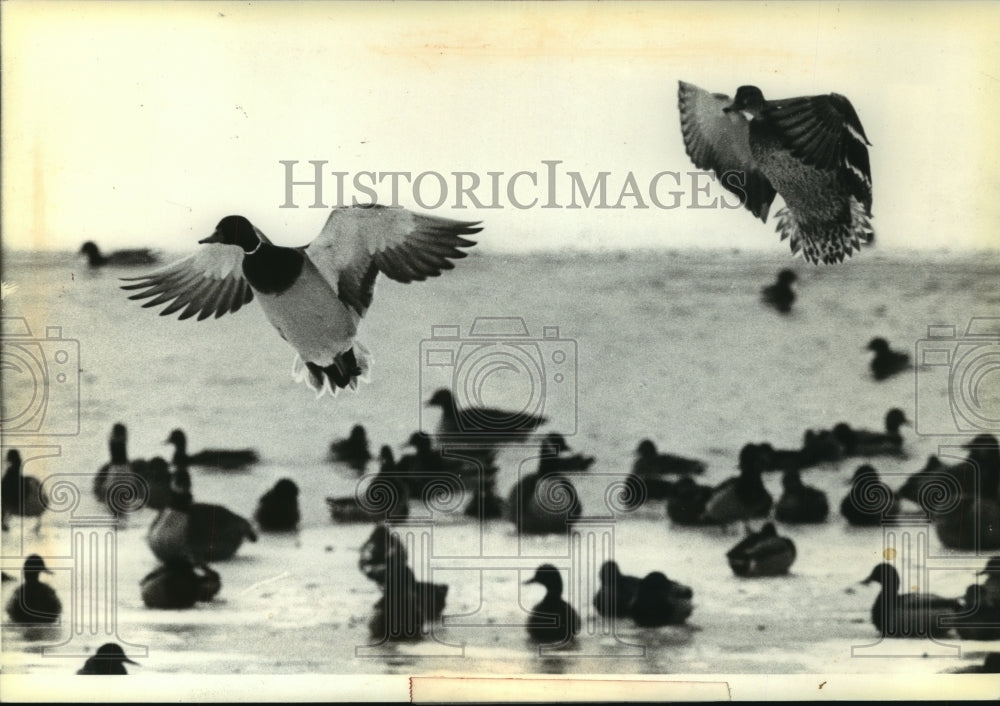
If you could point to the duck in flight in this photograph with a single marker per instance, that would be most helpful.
(314, 295)
(812, 150)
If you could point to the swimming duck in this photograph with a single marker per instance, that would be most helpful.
(316, 295)
(34, 602)
(179, 584)
(406, 605)
(544, 502)
(981, 619)
(819, 447)
(686, 504)
(481, 426)
(800, 503)
(353, 450)
(388, 484)
(224, 459)
(617, 593)
(650, 462)
(660, 601)
(742, 497)
(972, 519)
(119, 258)
(427, 464)
(812, 150)
(552, 620)
(780, 296)
(861, 442)
(762, 553)
(886, 362)
(909, 614)
(109, 659)
(278, 508)
(199, 533)
(20, 494)
(870, 501)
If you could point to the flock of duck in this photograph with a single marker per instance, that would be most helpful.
(187, 537)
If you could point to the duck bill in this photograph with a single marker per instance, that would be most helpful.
(531, 580)
(215, 237)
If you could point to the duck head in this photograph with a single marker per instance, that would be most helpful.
(14, 461)
(33, 566)
(442, 398)
(878, 345)
(235, 230)
(358, 434)
(609, 572)
(787, 277)
(894, 419)
(178, 438)
(748, 102)
(386, 460)
(843, 433)
(886, 575)
(548, 576)
(286, 488)
(646, 449)
(751, 458)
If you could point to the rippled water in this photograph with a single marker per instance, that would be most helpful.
(673, 346)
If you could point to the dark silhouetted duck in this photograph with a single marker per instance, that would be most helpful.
(34, 602)
(812, 150)
(981, 619)
(819, 447)
(178, 584)
(649, 462)
(20, 494)
(762, 553)
(660, 601)
(117, 258)
(913, 487)
(481, 426)
(334, 274)
(772, 459)
(224, 459)
(552, 620)
(742, 497)
(972, 519)
(861, 442)
(353, 450)
(385, 498)
(870, 501)
(427, 465)
(278, 508)
(544, 502)
(617, 592)
(886, 362)
(800, 503)
(686, 505)
(200, 533)
(909, 614)
(109, 659)
(780, 296)
(406, 605)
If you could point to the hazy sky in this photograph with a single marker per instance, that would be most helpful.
(143, 124)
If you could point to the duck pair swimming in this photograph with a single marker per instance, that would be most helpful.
(316, 295)
(652, 601)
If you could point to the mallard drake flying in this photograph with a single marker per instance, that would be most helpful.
(811, 150)
(314, 295)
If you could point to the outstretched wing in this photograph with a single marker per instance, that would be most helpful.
(208, 282)
(825, 132)
(360, 241)
(721, 142)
